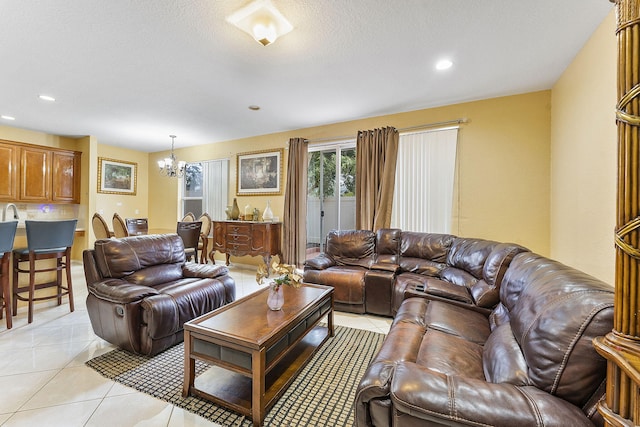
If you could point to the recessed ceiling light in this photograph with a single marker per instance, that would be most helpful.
(7, 117)
(254, 107)
(443, 64)
(47, 98)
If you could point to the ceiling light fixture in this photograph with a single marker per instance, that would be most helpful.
(170, 166)
(47, 98)
(262, 21)
(444, 64)
(7, 117)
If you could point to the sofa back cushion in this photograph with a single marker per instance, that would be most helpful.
(144, 260)
(554, 312)
(470, 254)
(351, 247)
(424, 253)
(486, 292)
(388, 242)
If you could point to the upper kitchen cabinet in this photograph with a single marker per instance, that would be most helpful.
(38, 174)
(8, 172)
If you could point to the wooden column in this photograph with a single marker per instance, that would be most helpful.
(621, 347)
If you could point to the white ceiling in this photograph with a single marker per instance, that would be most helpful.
(131, 72)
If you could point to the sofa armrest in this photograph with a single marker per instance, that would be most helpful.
(385, 266)
(204, 271)
(120, 291)
(428, 395)
(321, 262)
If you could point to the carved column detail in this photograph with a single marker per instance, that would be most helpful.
(621, 347)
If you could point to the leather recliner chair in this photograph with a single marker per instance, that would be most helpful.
(141, 291)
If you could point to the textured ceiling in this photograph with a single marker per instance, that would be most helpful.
(131, 72)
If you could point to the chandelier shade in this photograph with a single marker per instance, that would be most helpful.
(170, 166)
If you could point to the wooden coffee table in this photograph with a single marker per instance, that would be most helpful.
(255, 351)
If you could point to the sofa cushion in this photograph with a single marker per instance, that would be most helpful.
(470, 254)
(444, 317)
(351, 247)
(450, 354)
(347, 282)
(485, 295)
(118, 258)
(555, 313)
(426, 246)
(458, 277)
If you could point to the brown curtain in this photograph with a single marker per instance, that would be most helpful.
(376, 154)
(294, 227)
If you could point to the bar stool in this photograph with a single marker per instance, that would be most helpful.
(7, 234)
(45, 240)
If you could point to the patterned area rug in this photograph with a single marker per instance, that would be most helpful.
(321, 395)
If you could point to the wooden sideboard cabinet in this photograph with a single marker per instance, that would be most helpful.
(240, 238)
(38, 174)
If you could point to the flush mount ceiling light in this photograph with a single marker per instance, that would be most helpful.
(443, 64)
(262, 21)
(47, 98)
(7, 117)
(170, 166)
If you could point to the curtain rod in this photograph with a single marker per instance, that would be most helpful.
(424, 126)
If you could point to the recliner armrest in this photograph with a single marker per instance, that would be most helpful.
(120, 291)
(204, 271)
(321, 262)
(385, 266)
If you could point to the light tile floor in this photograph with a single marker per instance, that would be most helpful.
(44, 381)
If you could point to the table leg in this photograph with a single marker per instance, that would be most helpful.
(258, 363)
(189, 366)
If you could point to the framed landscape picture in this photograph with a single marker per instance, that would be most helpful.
(260, 172)
(117, 176)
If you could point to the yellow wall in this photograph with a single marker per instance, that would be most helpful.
(583, 157)
(503, 186)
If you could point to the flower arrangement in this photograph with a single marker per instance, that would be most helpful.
(286, 274)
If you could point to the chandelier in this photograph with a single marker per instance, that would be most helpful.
(170, 166)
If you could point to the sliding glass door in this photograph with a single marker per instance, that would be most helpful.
(331, 192)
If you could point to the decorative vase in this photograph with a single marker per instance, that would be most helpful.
(267, 215)
(275, 299)
(235, 211)
(227, 210)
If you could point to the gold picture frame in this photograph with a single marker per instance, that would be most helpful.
(117, 176)
(259, 173)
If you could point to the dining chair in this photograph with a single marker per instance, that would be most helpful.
(189, 217)
(7, 234)
(100, 227)
(190, 233)
(137, 226)
(119, 226)
(204, 237)
(46, 240)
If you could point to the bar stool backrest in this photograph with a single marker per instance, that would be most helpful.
(119, 227)
(7, 234)
(44, 235)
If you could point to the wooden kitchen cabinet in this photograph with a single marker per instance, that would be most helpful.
(37, 174)
(8, 172)
(66, 177)
(240, 238)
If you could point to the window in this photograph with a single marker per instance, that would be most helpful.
(423, 194)
(205, 188)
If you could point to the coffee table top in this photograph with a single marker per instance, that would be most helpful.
(250, 322)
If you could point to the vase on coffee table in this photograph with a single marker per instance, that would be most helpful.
(275, 299)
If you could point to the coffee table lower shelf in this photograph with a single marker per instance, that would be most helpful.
(233, 390)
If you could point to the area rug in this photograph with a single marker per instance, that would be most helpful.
(321, 395)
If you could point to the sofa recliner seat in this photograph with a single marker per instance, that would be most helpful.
(142, 291)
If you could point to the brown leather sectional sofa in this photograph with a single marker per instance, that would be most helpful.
(141, 291)
(529, 361)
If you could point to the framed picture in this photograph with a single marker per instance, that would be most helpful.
(117, 176)
(260, 172)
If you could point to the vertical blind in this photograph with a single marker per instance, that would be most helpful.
(215, 194)
(425, 172)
